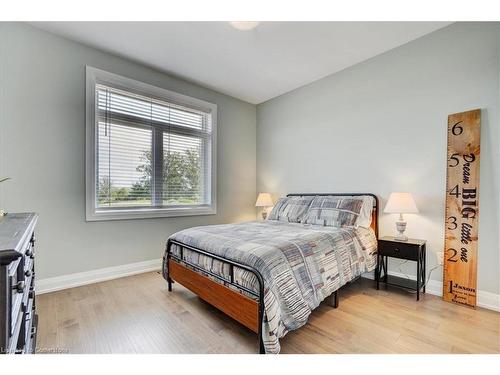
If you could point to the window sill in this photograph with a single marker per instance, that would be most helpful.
(147, 213)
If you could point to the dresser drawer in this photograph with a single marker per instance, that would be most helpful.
(27, 330)
(30, 346)
(18, 292)
(398, 250)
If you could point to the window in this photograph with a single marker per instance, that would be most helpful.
(150, 152)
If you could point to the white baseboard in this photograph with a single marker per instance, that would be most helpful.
(486, 300)
(53, 284)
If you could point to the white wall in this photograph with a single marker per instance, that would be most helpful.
(380, 126)
(42, 139)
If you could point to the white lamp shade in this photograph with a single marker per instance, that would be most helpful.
(264, 200)
(401, 203)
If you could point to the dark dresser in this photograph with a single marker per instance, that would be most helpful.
(18, 318)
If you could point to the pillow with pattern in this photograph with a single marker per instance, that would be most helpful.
(290, 209)
(340, 211)
(278, 206)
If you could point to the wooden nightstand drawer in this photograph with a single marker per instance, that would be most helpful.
(398, 250)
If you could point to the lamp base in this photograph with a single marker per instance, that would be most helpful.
(401, 238)
(401, 226)
(264, 214)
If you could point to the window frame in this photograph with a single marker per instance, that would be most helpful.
(93, 213)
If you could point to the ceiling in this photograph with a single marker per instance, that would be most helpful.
(255, 65)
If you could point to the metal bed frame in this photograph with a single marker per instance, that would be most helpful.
(181, 261)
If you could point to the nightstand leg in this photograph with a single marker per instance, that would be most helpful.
(419, 276)
(424, 266)
(377, 272)
(386, 264)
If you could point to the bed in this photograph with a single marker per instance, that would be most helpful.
(270, 275)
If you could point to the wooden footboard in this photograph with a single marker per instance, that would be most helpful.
(243, 309)
(238, 306)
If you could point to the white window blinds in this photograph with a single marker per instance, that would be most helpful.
(150, 153)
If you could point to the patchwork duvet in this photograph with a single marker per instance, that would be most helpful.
(301, 264)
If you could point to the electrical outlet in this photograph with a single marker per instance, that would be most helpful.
(440, 257)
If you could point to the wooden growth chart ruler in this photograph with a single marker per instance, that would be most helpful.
(462, 208)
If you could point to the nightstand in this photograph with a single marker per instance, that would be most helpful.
(413, 250)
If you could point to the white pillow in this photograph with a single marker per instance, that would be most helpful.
(365, 215)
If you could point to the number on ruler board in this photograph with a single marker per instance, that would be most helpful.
(457, 129)
(452, 220)
(455, 191)
(451, 259)
(455, 160)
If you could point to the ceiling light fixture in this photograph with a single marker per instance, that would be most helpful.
(244, 25)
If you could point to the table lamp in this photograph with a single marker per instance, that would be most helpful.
(401, 203)
(264, 200)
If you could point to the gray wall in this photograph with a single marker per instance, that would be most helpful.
(380, 126)
(42, 138)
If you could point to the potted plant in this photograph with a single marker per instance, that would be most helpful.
(3, 179)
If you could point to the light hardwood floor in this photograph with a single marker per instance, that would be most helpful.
(136, 314)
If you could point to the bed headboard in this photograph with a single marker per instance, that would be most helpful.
(374, 224)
